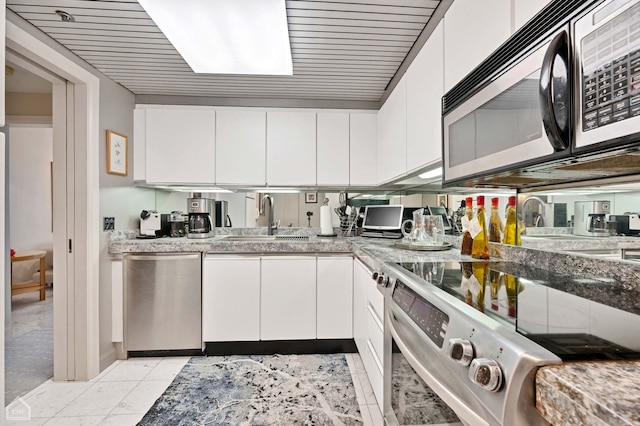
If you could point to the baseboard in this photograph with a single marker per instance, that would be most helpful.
(107, 359)
(284, 347)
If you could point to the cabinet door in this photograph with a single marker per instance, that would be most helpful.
(472, 31)
(363, 145)
(361, 279)
(425, 87)
(333, 148)
(291, 148)
(241, 147)
(335, 298)
(288, 298)
(392, 134)
(139, 144)
(180, 146)
(231, 299)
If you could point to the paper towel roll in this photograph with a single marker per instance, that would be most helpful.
(325, 221)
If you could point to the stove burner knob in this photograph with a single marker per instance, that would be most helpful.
(486, 373)
(383, 280)
(461, 351)
(375, 275)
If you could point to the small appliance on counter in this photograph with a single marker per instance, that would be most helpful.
(590, 218)
(200, 210)
(222, 214)
(149, 224)
(627, 223)
(174, 224)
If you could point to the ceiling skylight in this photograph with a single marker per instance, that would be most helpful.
(226, 36)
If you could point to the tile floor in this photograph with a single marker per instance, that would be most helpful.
(125, 391)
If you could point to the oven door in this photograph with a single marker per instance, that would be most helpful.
(520, 118)
(420, 386)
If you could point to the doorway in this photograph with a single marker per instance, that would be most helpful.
(75, 212)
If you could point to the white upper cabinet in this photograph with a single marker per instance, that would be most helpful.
(472, 31)
(363, 145)
(523, 10)
(392, 134)
(425, 87)
(241, 147)
(180, 145)
(291, 148)
(333, 148)
(139, 144)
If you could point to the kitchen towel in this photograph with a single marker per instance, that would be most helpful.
(325, 221)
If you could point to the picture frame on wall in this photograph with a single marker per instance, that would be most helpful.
(311, 197)
(117, 153)
(443, 200)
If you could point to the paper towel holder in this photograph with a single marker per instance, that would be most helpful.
(325, 220)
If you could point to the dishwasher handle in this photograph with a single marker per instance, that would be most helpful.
(160, 256)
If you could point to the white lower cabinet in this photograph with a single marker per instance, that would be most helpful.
(368, 327)
(288, 298)
(334, 298)
(231, 299)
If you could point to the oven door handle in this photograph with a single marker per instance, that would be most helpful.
(455, 403)
(555, 99)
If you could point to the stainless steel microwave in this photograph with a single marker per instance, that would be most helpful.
(558, 102)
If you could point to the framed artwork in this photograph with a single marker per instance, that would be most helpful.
(117, 153)
(443, 200)
(311, 197)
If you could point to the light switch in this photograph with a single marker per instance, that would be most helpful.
(109, 223)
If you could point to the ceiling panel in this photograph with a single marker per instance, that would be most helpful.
(343, 50)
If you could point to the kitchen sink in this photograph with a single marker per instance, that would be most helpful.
(256, 238)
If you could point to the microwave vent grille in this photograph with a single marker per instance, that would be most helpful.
(546, 22)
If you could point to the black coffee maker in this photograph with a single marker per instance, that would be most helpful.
(201, 216)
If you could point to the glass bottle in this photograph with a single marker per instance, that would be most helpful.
(495, 282)
(480, 248)
(511, 231)
(511, 283)
(465, 285)
(480, 274)
(467, 240)
(495, 223)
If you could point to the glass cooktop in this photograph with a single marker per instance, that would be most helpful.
(575, 317)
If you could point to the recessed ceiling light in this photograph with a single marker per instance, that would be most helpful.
(226, 36)
(66, 17)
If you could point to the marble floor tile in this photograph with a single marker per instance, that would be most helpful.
(121, 420)
(142, 397)
(366, 416)
(75, 421)
(133, 370)
(359, 365)
(31, 422)
(100, 399)
(376, 415)
(51, 397)
(167, 368)
(367, 390)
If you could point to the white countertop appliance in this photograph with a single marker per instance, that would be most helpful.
(149, 223)
(590, 217)
(558, 102)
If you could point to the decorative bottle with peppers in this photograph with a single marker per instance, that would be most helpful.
(467, 239)
(480, 270)
(511, 231)
(495, 282)
(495, 224)
(480, 248)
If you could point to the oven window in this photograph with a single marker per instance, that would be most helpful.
(413, 402)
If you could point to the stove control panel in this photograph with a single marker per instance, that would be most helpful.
(461, 351)
(486, 373)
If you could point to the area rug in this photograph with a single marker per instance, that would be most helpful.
(259, 390)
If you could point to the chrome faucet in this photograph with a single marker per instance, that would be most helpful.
(536, 223)
(270, 221)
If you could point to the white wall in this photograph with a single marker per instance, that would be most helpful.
(30, 157)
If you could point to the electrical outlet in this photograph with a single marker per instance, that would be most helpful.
(109, 223)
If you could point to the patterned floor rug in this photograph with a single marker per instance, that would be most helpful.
(259, 390)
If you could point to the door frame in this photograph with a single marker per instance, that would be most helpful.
(75, 218)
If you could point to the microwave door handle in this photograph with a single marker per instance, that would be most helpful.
(555, 100)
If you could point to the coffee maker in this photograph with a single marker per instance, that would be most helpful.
(590, 218)
(201, 213)
(149, 223)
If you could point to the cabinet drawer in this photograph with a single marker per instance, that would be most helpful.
(375, 332)
(373, 365)
(376, 300)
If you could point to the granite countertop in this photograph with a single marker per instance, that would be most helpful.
(595, 393)
(589, 393)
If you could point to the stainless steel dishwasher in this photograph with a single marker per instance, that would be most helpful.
(163, 301)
